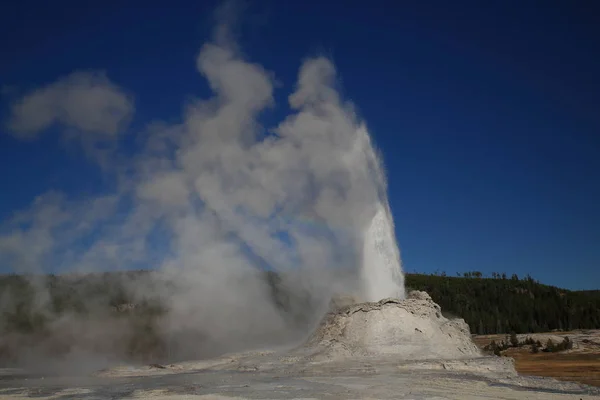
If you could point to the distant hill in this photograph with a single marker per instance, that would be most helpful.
(590, 292)
(503, 305)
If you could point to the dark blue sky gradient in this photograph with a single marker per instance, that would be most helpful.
(488, 116)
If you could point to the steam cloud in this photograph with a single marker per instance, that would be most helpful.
(212, 201)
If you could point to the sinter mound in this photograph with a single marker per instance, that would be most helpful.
(413, 329)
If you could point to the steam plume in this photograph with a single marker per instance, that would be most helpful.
(215, 199)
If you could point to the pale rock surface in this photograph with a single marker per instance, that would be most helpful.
(411, 329)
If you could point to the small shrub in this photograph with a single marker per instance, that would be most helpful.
(534, 348)
(491, 346)
(550, 346)
(529, 341)
(567, 344)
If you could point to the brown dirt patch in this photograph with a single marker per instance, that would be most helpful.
(577, 367)
(582, 365)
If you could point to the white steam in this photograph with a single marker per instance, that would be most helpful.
(213, 200)
(381, 272)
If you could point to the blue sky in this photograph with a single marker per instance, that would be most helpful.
(487, 115)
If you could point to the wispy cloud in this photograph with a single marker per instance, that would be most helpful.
(84, 101)
(85, 106)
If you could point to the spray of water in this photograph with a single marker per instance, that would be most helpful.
(381, 272)
(214, 199)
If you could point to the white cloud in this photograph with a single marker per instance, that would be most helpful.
(86, 102)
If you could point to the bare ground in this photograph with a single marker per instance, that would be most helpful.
(581, 364)
(269, 377)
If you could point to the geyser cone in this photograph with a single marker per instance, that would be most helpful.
(412, 329)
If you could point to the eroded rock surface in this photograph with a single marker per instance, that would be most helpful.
(411, 329)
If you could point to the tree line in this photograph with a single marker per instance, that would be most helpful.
(500, 304)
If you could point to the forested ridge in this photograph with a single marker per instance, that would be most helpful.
(501, 304)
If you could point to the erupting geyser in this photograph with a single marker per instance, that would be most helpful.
(381, 271)
(216, 198)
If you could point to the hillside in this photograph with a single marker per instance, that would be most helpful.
(503, 305)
